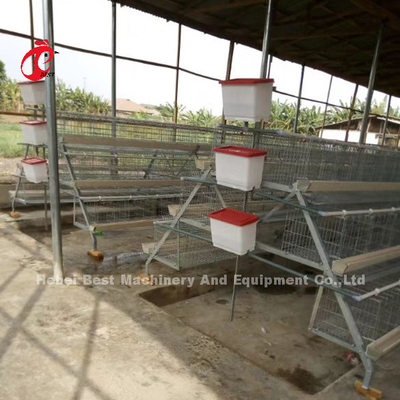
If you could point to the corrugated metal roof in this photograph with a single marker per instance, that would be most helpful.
(337, 37)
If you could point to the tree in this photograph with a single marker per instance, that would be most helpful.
(3, 75)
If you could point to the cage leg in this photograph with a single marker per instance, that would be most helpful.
(370, 393)
(96, 254)
(344, 307)
(13, 213)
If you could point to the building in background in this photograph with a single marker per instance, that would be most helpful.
(337, 131)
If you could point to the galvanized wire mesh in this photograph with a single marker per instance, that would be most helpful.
(343, 236)
(103, 126)
(374, 316)
(291, 157)
(122, 163)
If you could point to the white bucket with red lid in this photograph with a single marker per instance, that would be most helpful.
(239, 167)
(35, 169)
(233, 230)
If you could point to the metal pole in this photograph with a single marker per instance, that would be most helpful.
(178, 63)
(386, 120)
(371, 84)
(353, 104)
(266, 39)
(114, 66)
(51, 115)
(270, 65)
(32, 32)
(245, 200)
(326, 104)
(228, 70)
(296, 118)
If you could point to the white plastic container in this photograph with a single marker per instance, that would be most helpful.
(33, 92)
(239, 167)
(247, 99)
(34, 132)
(35, 169)
(233, 230)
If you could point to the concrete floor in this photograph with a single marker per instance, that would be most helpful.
(109, 342)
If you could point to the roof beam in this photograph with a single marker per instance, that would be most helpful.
(373, 8)
(225, 6)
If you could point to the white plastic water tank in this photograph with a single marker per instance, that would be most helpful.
(34, 132)
(247, 99)
(35, 169)
(233, 230)
(239, 167)
(33, 92)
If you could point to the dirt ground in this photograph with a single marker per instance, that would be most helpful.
(115, 343)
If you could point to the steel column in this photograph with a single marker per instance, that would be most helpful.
(178, 63)
(51, 116)
(114, 66)
(353, 104)
(326, 104)
(371, 84)
(386, 120)
(296, 118)
(228, 70)
(265, 46)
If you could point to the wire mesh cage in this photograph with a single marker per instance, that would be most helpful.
(342, 236)
(291, 157)
(124, 128)
(374, 316)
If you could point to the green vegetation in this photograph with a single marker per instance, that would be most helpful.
(10, 135)
(78, 100)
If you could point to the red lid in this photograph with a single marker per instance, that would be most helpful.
(240, 151)
(246, 81)
(34, 122)
(30, 82)
(34, 160)
(234, 217)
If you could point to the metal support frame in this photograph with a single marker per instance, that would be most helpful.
(266, 40)
(245, 200)
(178, 63)
(114, 65)
(296, 119)
(371, 84)
(386, 120)
(228, 70)
(176, 220)
(346, 311)
(351, 113)
(326, 104)
(79, 198)
(51, 116)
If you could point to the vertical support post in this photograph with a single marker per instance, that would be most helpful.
(32, 26)
(51, 115)
(114, 67)
(178, 64)
(326, 104)
(353, 104)
(371, 84)
(271, 57)
(296, 118)
(265, 46)
(386, 120)
(228, 69)
(245, 200)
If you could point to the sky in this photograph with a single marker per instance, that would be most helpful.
(87, 24)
